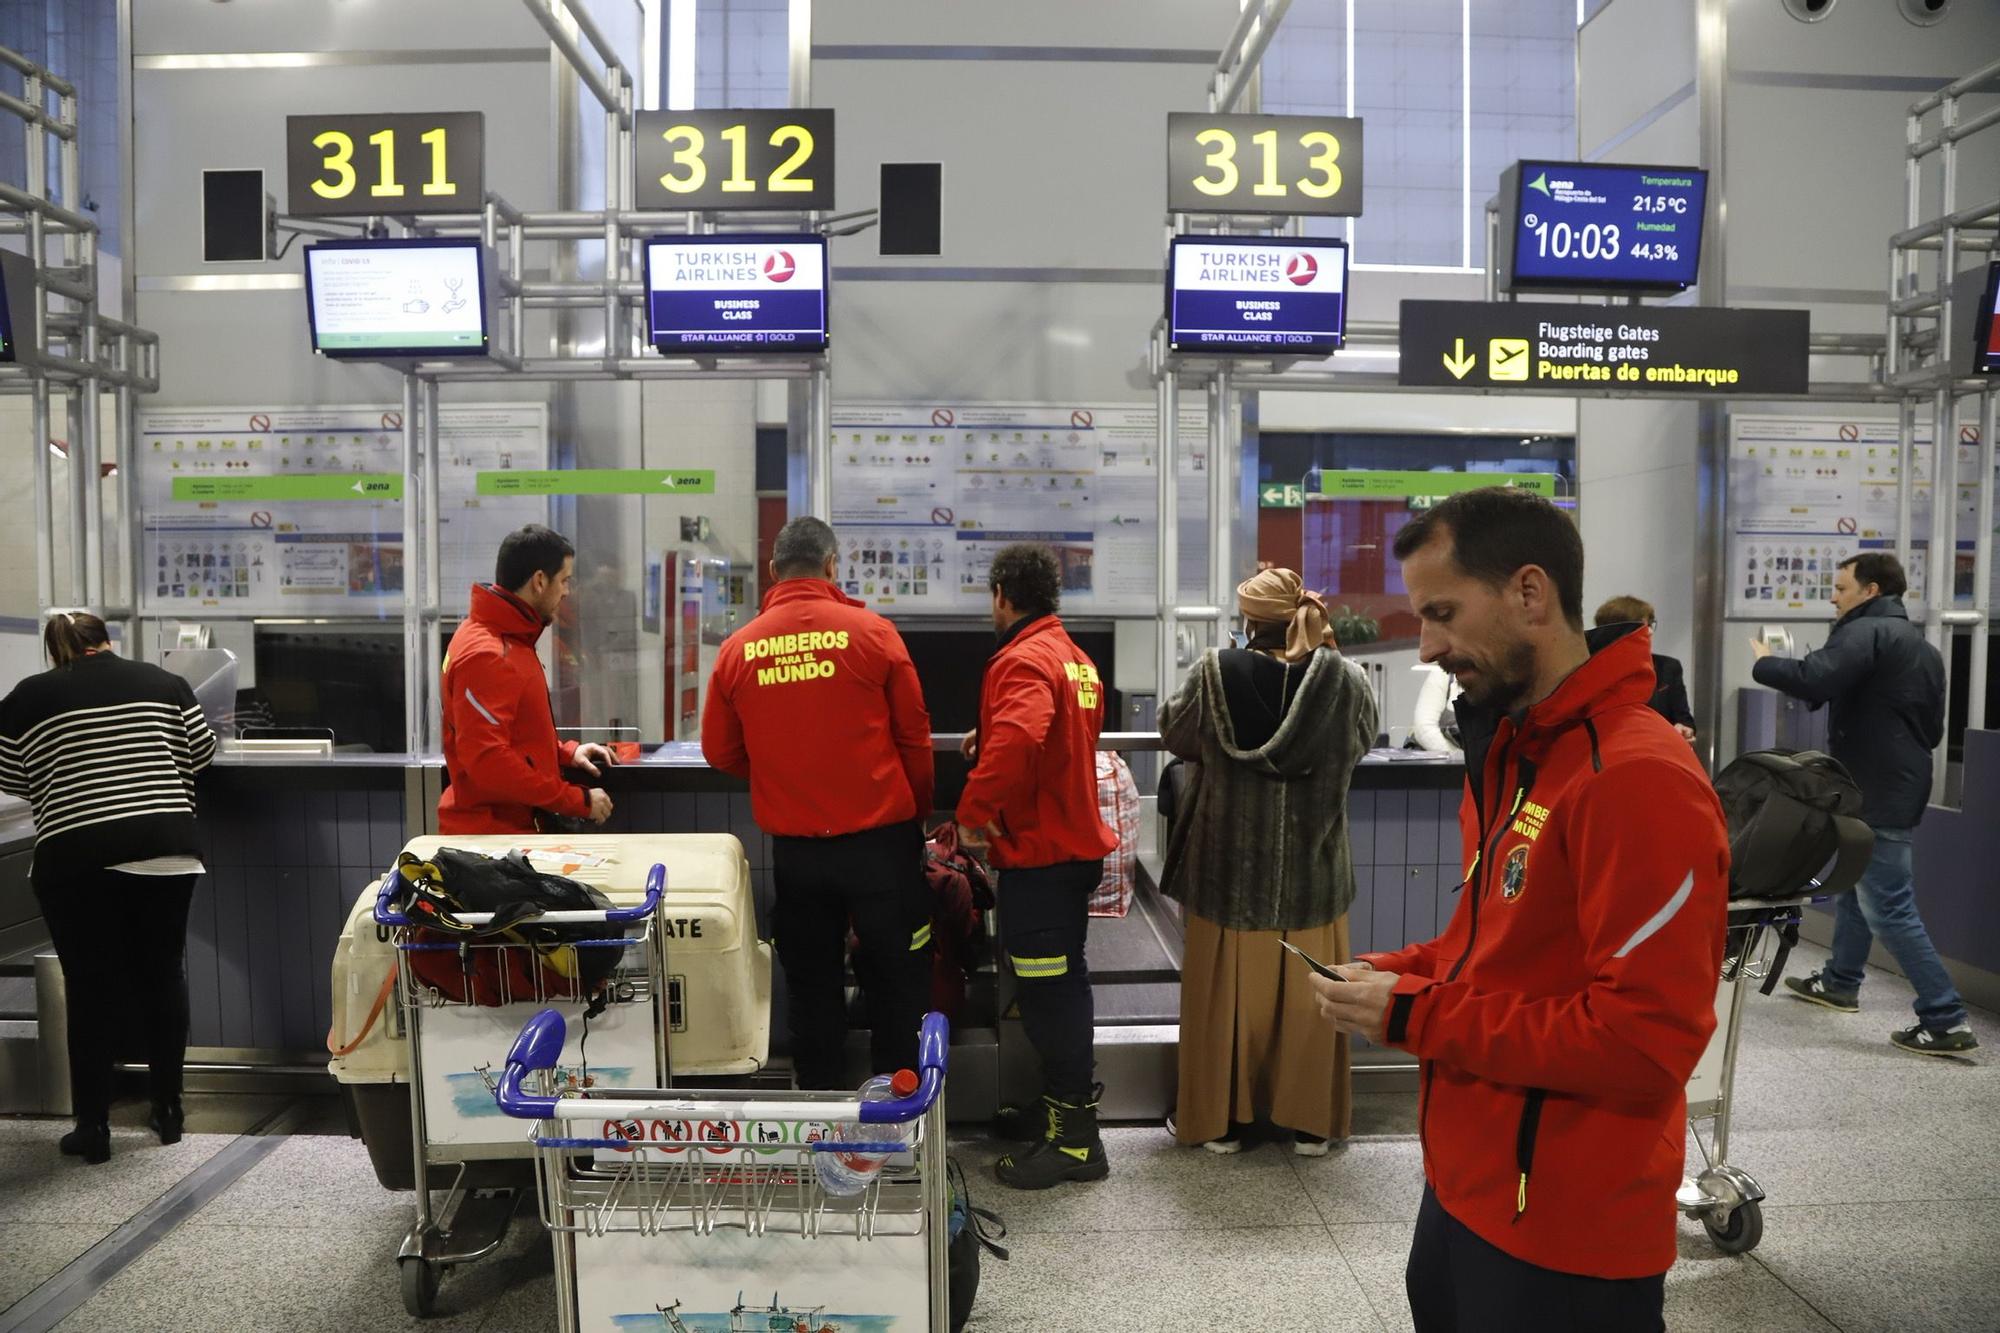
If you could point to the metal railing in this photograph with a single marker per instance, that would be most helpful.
(1926, 365)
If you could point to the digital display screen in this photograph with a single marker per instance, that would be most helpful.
(1986, 326)
(1594, 227)
(736, 294)
(376, 299)
(1236, 295)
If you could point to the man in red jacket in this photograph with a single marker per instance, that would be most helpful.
(1032, 794)
(816, 702)
(1560, 1015)
(500, 746)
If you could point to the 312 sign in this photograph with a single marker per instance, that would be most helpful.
(735, 160)
(354, 166)
(1263, 164)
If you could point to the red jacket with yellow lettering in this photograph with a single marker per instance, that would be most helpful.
(1560, 1015)
(1041, 709)
(817, 704)
(500, 744)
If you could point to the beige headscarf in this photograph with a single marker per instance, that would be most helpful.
(1280, 597)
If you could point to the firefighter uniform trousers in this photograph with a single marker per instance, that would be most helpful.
(873, 880)
(1044, 921)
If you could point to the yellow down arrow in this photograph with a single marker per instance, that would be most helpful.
(1458, 362)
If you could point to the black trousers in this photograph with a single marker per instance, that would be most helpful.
(122, 941)
(1458, 1283)
(1044, 922)
(873, 880)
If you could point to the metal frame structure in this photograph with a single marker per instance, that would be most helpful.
(80, 351)
(1926, 327)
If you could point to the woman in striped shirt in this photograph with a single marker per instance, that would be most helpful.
(106, 751)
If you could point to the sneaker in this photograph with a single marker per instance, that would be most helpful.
(1815, 989)
(1307, 1145)
(1955, 1040)
(1229, 1143)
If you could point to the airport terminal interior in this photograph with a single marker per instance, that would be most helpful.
(308, 308)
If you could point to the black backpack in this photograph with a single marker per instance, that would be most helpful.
(1789, 815)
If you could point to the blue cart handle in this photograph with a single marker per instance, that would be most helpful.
(932, 1042)
(388, 914)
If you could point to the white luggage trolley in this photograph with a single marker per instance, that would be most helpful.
(665, 1210)
(452, 1046)
(1726, 1198)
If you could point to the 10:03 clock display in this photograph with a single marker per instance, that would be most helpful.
(1589, 227)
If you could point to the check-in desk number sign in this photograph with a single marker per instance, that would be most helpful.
(734, 160)
(1263, 164)
(392, 165)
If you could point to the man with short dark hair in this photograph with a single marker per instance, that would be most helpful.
(1559, 1016)
(1032, 797)
(1885, 687)
(1670, 693)
(500, 746)
(816, 702)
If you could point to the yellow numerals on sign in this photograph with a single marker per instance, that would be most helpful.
(1321, 182)
(691, 169)
(340, 179)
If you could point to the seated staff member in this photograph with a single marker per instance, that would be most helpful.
(106, 751)
(816, 702)
(1032, 795)
(1670, 691)
(500, 746)
(1559, 1016)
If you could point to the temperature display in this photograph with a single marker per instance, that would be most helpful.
(1589, 227)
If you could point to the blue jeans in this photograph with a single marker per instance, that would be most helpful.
(1884, 906)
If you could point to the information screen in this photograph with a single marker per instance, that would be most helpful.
(737, 294)
(1986, 326)
(375, 299)
(1246, 295)
(1594, 227)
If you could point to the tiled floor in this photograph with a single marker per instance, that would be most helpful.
(1883, 1171)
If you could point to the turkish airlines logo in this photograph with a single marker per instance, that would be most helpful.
(779, 267)
(1302, 270)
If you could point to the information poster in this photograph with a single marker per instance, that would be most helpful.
(923, 495)
(1805, 493)
(298, 511)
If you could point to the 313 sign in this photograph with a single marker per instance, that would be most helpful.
(735, 160)
(353, 166)
(1263, 164)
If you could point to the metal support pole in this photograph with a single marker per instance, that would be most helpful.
(430, 544)
(1982, 567)
(79, 525)
(1906, 479)
(126, 451)
(819, 446)
(413, 716)
(1167, 538)
(1221, 502)
(45, 518)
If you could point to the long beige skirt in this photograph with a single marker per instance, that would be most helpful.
(1253, 1046)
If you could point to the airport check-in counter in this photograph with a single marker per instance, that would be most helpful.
(290, 841)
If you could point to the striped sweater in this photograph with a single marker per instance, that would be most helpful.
(106, 751)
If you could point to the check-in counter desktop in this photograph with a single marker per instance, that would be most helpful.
(290, 840)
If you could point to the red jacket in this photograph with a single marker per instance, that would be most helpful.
(1041, 709)
(817, 704)
(500, 744)
(1560, 1015)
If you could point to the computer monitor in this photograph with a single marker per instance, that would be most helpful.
(752, 295)
(397, 299)
(1256, 295)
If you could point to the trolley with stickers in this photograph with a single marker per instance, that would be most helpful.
(683, 1212)
(1726, 1198)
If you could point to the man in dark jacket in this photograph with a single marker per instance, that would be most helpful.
(1885, 686)
(1670, 691)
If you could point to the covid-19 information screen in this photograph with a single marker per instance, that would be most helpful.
(743, 294)
(396, 298)
(1588, 227)
(1243, 295)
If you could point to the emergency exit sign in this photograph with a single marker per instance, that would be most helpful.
(1281, 495)
(599, 481)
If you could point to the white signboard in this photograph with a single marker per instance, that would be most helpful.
(1805, 493)
(272, 532)
(924, 494)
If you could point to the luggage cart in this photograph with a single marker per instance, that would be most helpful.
(471, 1223)
(668, 1208)
(1726, 1198)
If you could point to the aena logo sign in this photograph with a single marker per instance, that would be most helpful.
(779, 267)
(1302, 270)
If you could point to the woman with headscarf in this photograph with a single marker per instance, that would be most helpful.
(1259, 855)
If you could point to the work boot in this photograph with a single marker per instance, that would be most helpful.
(1027, 1124)
(90, 1142)
(1070, 1148)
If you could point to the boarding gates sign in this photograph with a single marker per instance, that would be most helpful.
(1687, 351)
